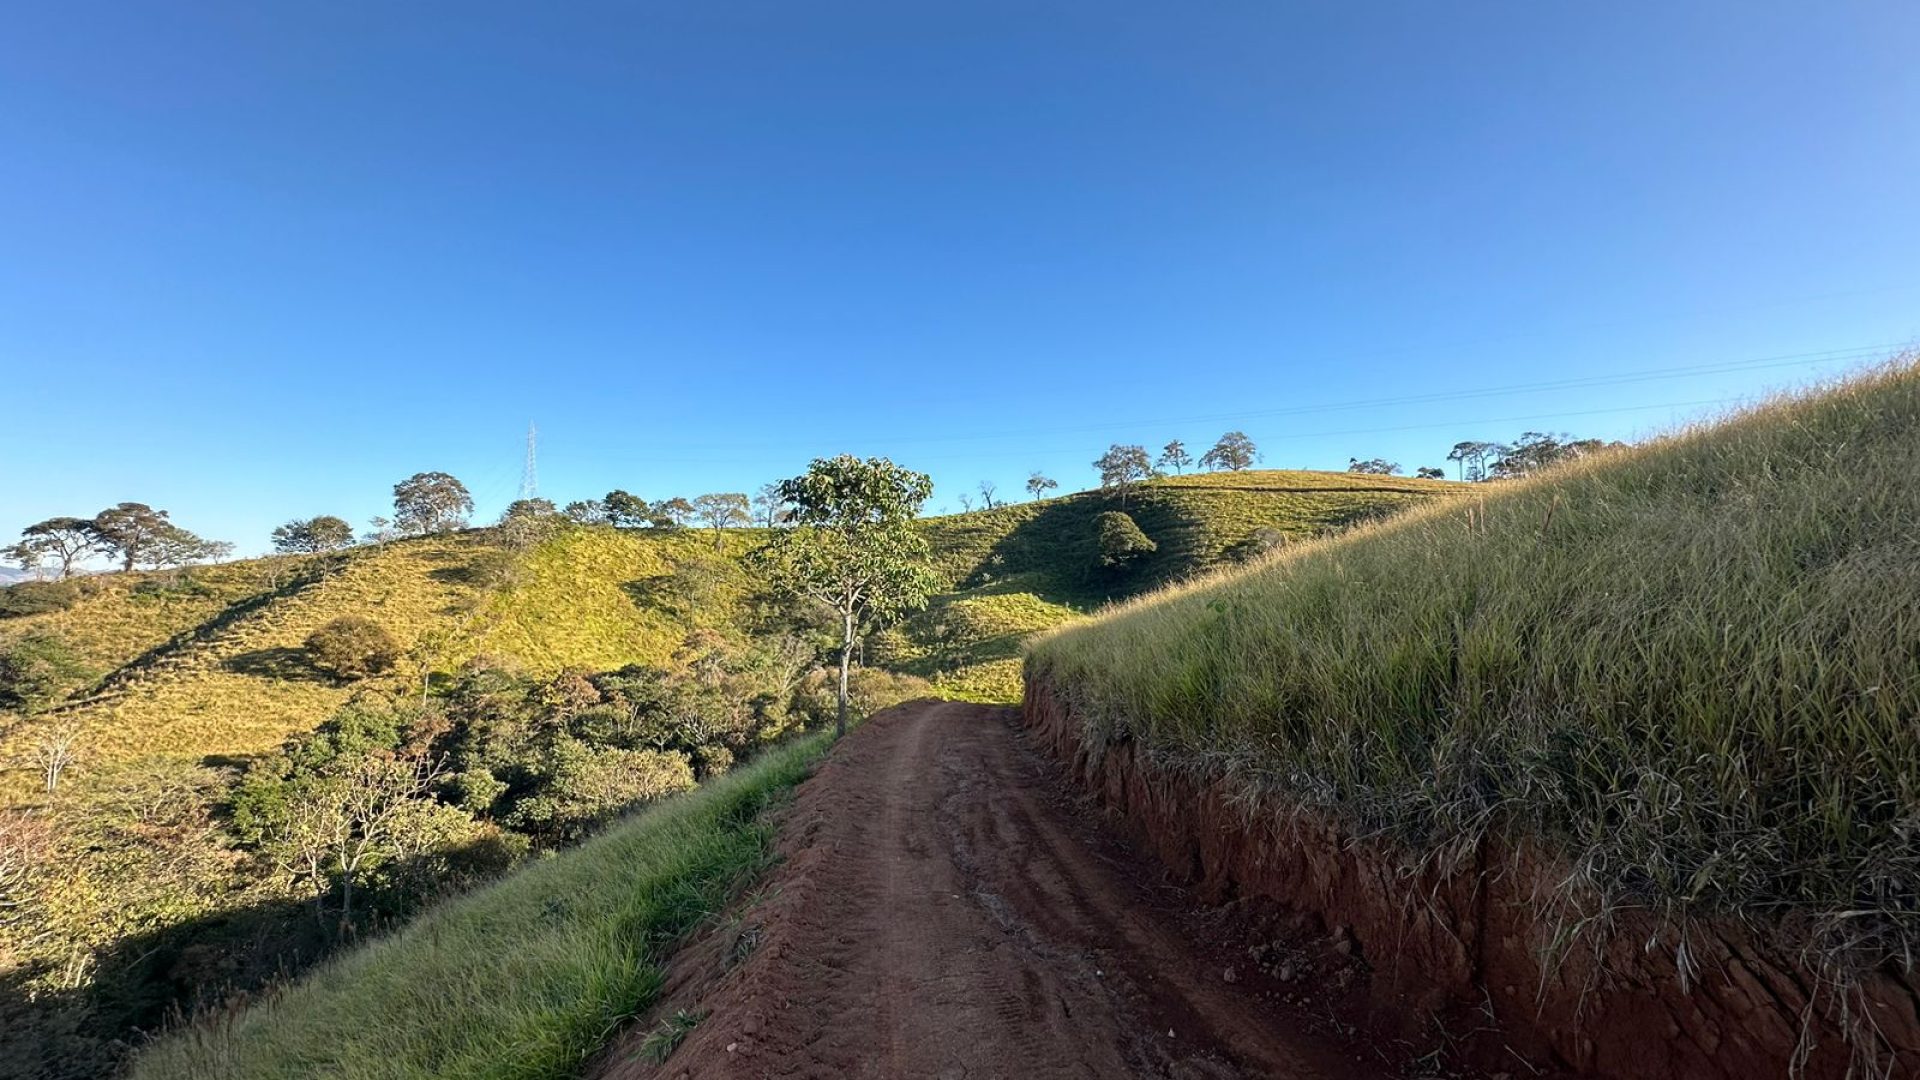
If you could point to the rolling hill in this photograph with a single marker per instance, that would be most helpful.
(178, 680)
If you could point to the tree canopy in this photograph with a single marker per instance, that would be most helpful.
(1123, 466)
(315, 534)
(853, 547)
(1233, 453)
(64, 541)
(431, 502)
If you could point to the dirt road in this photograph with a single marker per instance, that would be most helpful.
(947, 907)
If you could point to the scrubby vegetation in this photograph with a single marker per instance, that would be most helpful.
(1689, 667)
(520, 979)
(183, 763)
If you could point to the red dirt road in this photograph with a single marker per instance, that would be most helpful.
(948, 907)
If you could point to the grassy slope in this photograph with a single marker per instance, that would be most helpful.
(523, 978)
(218, 670)
(1018, 569)
(237, 683)
(1691, 666)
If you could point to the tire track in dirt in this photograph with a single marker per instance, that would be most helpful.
(946, 907)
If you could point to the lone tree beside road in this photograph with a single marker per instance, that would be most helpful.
(852, 547)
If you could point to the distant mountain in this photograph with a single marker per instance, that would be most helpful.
(12, 574)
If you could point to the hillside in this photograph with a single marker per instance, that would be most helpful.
(1686, 670)
(149, 894)
(209, 661)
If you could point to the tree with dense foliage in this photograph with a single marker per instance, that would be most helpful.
(770, 508)
(1233, 453)
(129, 531)
(1123, 466)
(1471, 458)
(1174, 456)
(431, 502)
(724, 510)
(1038, 485)
(64, 541)
(853, 547)
(315, 534)
(1373, 467)
(352, 647)
(626, 510)
(344, 801)
(1121, 540)
(527, 522)
(1428, 472)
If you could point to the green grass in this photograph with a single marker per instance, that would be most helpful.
(525, 978)
(1693, 668)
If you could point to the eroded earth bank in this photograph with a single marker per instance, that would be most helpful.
(1458, 957)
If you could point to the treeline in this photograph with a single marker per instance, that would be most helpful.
(182, 882)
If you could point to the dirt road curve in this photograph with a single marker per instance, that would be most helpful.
(948, 908)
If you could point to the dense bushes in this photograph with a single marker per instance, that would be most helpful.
(352, 647)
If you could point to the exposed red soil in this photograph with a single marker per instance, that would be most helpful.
(1461, 951)
(949, 906)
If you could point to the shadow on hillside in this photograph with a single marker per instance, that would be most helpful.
(290, 664)
(147, 983)
(144, 982)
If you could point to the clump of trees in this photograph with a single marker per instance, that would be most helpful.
(1120, 540)
(1373, 467)
(130, 533)
(353, 647)
(1531, 452)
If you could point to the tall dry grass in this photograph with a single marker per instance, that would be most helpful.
(1693, 667)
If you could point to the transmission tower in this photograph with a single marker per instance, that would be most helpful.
(530, 476)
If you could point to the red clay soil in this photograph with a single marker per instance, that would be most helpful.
(948, 906)
(1461, 952)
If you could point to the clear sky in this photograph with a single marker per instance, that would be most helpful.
(264, 260)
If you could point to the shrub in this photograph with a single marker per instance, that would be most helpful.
(353, 647)
(36, 670)
(1120, 539)
(35, 597)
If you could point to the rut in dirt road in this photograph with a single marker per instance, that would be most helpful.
(946, 908)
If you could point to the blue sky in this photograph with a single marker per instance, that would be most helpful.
(260, 261)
